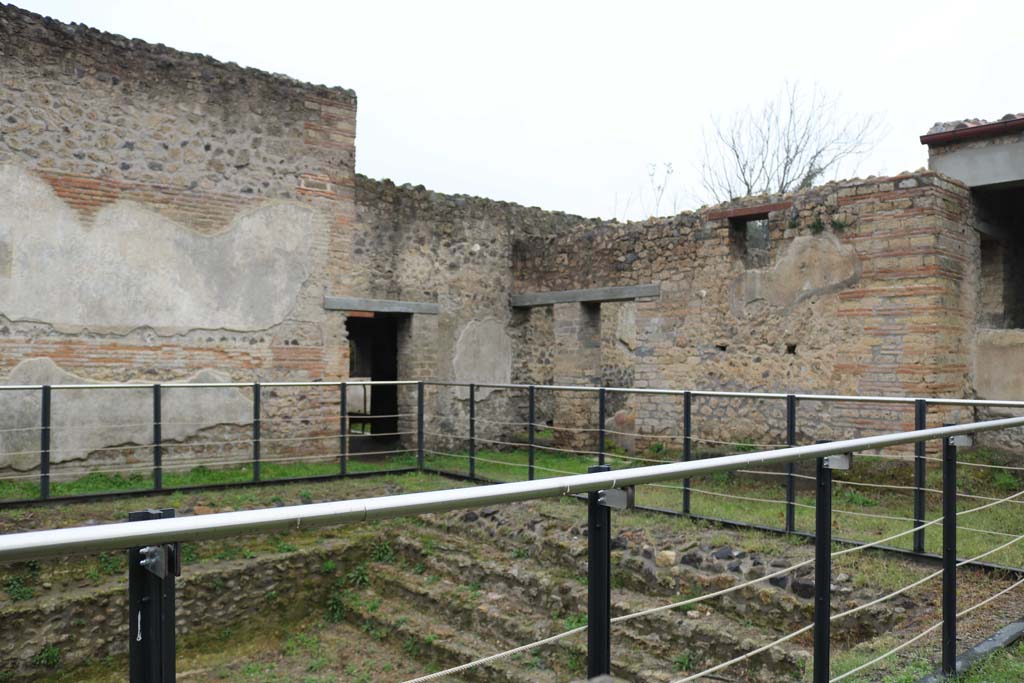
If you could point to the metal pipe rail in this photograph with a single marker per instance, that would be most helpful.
(35, 545)
(826, 398)
(205, 385)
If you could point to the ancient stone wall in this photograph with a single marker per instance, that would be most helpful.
(413, 244)
(867, 292)
(166, 213)
(986, 156)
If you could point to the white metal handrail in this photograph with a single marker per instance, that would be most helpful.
(825, 398)
(76, 540)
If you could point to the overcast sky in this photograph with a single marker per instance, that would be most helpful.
(564, 105)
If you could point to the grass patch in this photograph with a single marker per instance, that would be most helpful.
(102, 482)
(714, 496)
(1004, 666)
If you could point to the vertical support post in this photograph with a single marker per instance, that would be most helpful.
(602, 398)
(256, 428)
(920, 422)
(158, 439)
(790, 467)
(44, 445)
(687, 445)
(822, 571)
(151, 645)
(472, 431)
(419, 425)
(343, 427)
(948, 556)
(599, 590)
(531, 428)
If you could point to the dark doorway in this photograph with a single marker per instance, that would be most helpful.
(373, 349)
(999, 214)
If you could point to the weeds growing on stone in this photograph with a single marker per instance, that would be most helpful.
(48, 656)
(17, 589)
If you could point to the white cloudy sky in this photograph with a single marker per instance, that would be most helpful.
(564, 105)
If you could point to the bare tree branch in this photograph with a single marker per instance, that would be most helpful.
(793, 141)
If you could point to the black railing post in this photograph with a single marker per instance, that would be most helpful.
(256, 428)
(472, 431)
(44, 445)
(151, 573)
(822, 571)
(158, 439)
(601, 401)
(343, 427)
(419, 425)
(790, 467)
(531, 427)
(948, 556)
(687, 445)
(920, 422)
(599, 586)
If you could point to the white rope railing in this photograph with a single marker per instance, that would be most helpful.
(924, 633)
(709, 596)
(498, 462)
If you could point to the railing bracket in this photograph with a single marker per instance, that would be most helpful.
(842, 461)
(160, 560)
(617, 499)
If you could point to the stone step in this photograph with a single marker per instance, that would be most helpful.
(508, 622)
(554, 590)
(663, 639)
(429, 636)
(778, 605)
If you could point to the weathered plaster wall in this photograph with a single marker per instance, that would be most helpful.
(180, 213)
(999, 364)
(81, 426)
(132, 267)
(166, 215)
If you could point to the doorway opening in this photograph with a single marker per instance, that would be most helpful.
(373, 355)
(1000, 220)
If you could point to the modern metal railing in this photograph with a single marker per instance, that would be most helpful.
(686, 451)
(158, 444)
(154, 560)
(414, 441)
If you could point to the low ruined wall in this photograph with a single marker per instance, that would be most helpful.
(89, 625)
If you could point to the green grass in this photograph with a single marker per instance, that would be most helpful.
(511, 465)
(1004, 666)
(102, 482)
